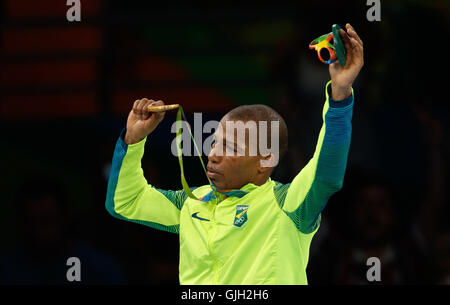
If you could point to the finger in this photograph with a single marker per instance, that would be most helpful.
(356, 45)
(136, 109)
(352, 33)
(141, 106)
(157, 103)
(154, 104)
(348, 45)
(159, 115)
(345, 39)
(145, 113)
(358, 54)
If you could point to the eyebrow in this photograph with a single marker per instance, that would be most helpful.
(232, 143)
(226, 142)
(224, 139)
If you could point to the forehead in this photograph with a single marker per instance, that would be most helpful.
(222, 132)
(227, 122)
(235, 130)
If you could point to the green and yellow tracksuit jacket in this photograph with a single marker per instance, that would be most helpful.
(260, 238)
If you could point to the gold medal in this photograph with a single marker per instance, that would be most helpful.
(162, 108)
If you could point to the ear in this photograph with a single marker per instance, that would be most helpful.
(267, 163)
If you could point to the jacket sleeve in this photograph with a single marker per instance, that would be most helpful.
(308, 193)
(130, 197)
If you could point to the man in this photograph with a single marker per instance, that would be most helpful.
(253, 230)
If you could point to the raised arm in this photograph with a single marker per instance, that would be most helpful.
(129, 196)
(310, 190)
(304, 199)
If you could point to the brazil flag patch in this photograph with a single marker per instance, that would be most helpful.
(241, 217)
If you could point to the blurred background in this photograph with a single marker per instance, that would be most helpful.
(66, 89)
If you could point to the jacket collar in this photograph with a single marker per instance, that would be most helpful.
(219, 195)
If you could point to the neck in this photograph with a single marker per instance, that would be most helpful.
(257, 182)
(260, 180)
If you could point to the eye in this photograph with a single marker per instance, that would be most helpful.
(232, 146)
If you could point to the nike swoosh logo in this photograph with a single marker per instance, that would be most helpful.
(195, 216)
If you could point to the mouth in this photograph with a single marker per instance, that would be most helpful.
(211, 173)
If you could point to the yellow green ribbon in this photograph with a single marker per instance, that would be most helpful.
(215, 194)
(180, 116)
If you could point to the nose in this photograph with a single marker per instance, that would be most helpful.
(213, 156)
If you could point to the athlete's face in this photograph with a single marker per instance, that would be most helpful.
(231, 163)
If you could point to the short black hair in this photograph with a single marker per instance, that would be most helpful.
(258, 113)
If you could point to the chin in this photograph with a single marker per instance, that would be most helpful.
(219, 185)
